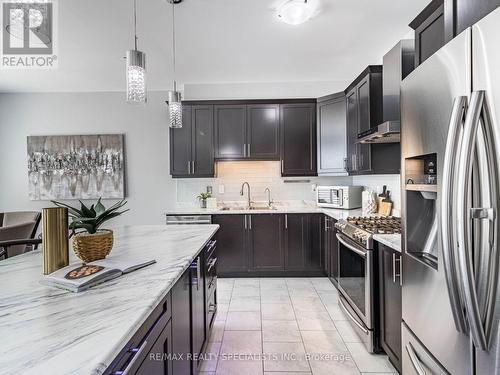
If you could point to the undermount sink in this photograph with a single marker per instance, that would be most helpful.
(262, 208)
(251, 208)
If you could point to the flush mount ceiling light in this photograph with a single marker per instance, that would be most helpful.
(136, 70)
(174, 96)
(295, 12)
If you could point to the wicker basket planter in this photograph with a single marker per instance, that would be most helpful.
(91, 247)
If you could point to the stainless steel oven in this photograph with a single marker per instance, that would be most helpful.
(356, 286)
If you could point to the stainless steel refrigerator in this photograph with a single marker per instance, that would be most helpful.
(450, 141)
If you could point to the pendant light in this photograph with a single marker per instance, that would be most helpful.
(136, 70)
(174, 96)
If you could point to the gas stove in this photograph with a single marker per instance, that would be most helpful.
(361, 229)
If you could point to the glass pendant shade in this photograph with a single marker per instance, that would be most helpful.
(136, 76)
(175, 109)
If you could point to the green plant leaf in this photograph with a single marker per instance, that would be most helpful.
(86, 211)
(99, 207)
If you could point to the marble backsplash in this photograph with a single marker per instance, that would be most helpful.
(260, 175)
(263, 174)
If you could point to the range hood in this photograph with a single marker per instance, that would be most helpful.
(387, 132)
(397, 64)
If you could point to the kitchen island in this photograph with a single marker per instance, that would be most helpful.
(52, 331)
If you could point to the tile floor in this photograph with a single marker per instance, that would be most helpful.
(285, 326)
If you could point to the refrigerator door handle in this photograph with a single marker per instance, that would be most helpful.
(448, 197)
(480, 324)
(414, 360)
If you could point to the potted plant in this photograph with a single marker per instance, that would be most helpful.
(203, 199)
(91, 243)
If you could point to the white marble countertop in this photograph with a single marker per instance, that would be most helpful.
(391, 240)
(281, 208)
(47, 330)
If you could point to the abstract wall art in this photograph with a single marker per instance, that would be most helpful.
(76, 166)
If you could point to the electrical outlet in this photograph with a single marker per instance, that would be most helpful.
(313, 187)
(221, 189)
(209, 189)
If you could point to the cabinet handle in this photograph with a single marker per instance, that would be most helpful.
(137, 355)
(345, 164)
(192, 166)
(245, 222)
(250, 222)
(212, 308)
(211, 264)
(394, 267)
(394, 274)
(189, 167)
(401, 270)
(326, 224)
(281, 165)
(248, 145)
(244, 150)
(196, 265)
(286, 221)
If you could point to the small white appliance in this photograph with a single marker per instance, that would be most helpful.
(345, 197)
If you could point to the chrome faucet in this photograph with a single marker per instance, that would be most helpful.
(269, 201)
(241, 192)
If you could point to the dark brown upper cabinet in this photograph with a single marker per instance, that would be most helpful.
(247, 132)
(230, 131)
(191, 147)
(263, 132)
(298, 139)
(364, 111)
(429, 28)
(461, 14)
(202, 120)
(331, 139)
(180, 146)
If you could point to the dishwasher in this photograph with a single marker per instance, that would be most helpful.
(188, 219)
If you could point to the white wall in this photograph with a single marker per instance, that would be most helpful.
(375, 183)
(150, 189)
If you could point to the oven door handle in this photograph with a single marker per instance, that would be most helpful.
(354, 320)
(350, 247)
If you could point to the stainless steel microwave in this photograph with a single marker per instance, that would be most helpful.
(346, 197)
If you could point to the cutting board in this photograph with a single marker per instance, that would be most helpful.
(385, 205)
(385, 208)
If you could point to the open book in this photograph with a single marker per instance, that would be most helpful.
(78, 277)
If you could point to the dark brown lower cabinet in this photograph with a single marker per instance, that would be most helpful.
(231, 243)
(174, 336)
(198, 316)
(270, 245)
(265, 242)
(331, 254)
(153, 362)
(295, 241)
(315, 252)
(390, 303)
(181, 319)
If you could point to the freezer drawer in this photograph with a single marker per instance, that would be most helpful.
(417, 360)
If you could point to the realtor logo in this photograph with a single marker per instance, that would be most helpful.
(28, 35)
